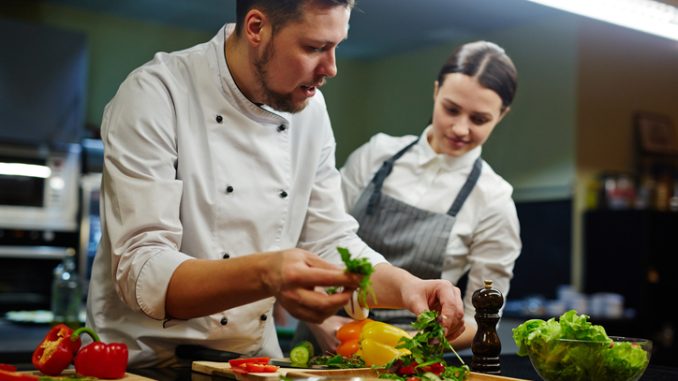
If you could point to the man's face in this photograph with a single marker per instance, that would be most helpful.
(295, 61)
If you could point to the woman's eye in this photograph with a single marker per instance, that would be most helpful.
(453, 111)
(478, 121)
(316, 49)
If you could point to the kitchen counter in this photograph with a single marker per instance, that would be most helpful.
(17, 342)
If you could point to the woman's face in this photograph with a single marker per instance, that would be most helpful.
(464, 114)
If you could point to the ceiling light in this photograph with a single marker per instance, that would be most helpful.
(644, 15)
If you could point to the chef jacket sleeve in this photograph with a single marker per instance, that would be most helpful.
(141, 194)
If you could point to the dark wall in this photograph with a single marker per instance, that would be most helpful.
(545, 262)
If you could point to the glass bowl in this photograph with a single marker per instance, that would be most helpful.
(623, 359)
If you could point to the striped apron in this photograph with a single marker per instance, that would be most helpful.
(411, 238)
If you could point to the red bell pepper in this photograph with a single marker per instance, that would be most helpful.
(101, 360)
(56, 351)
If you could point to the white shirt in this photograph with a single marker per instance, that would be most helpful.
(485, 240)
(193, 169)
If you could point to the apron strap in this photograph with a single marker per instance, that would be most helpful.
(382, 173)
(467, 188)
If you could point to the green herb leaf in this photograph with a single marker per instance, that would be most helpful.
(361, 266)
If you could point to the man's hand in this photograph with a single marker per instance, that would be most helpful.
(437, 295)
(397, 288)
(292, 276)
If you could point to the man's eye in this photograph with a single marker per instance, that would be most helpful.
(453, 111)
(316, 49)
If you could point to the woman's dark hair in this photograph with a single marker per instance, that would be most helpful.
(489, 64)
(280, 12)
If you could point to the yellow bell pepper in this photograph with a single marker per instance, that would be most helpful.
(378, 341)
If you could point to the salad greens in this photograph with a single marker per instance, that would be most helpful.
(587, 353)
(363, 267)
(425, 360)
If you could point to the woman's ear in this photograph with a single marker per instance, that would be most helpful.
(503, 114)
(255, 26)
(435, 89)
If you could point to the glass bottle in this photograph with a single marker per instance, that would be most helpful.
(66, 292)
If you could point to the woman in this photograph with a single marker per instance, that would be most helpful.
(430, 204)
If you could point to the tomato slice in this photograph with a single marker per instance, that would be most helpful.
(260, 368)
(249, 360)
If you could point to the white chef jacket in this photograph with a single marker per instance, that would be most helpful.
(193, 169)
(485, 239)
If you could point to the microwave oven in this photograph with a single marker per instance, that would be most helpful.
(39, 188)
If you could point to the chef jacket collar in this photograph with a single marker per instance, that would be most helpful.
(427, 155)
(263, 114)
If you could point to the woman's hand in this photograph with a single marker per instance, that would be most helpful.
(325, 332)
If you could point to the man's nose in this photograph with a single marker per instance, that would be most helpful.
(328, 66)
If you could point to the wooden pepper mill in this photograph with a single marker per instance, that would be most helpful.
(486, 345)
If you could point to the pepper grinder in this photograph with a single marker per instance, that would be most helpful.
(486, 345)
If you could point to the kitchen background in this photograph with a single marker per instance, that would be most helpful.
(593, 189)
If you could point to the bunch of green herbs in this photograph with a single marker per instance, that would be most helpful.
(360, 266)
(426, 351)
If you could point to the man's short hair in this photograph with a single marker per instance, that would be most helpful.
(280, 12)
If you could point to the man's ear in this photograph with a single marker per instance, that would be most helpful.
(255, 26)
(435, 89)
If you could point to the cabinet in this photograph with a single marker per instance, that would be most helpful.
(635, 253)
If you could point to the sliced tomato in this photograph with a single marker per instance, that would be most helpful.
(249, 360)
(260, 368)
(6, 375)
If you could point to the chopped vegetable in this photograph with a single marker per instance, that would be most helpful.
(55, 352)
(361, 266)
(425, 360)
(301, 354)
(244, 360)
(9, 375)
(338, 361)
(562, 360)
(252, 365)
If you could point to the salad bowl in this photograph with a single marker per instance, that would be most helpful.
(618, 359)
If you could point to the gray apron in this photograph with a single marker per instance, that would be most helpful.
(411, 238)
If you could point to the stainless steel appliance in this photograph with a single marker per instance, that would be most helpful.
(39, 188)
(39, 208)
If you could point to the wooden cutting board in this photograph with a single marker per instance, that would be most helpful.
(224, 369)
(68, 373)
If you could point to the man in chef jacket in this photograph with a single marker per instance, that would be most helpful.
(220, 194)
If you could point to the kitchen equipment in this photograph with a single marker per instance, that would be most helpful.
(360, 374)
(69, 374)
(39, 187)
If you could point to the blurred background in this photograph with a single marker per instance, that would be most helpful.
(590, 145)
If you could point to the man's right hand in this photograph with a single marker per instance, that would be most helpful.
(292, 277)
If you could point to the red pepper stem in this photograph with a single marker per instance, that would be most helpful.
(87, 330)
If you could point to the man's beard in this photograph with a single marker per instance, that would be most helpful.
(278, 101)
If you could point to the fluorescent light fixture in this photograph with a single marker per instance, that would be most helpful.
(28, 170)
(648, 16)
